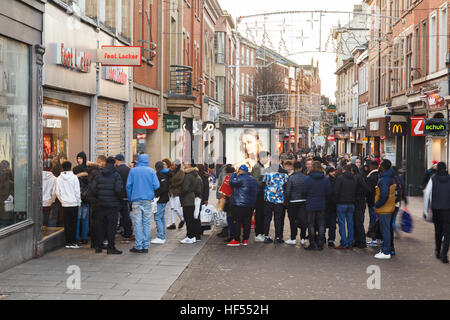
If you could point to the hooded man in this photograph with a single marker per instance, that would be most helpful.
(81, 171)
(141, 186)
(107, 188)
(187, 199)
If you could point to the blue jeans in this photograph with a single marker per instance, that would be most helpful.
(385, 228)
(141, 215)
(83, 219)
(161, 221)
(373, 218)
(345, 213)
(394, 218)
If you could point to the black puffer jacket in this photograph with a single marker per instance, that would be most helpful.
(294, 187)
(164, 184)
(345, 189)
(123, 171)
(372, 181)
(107, 187)
(361, 191)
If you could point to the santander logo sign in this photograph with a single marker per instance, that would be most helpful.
(145, 118)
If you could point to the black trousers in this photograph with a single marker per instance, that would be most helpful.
(259, 214)
(358, 223)
(277, 210)
(441, 219)
(316, 222)
(193, 226)
(70, 224)
(331, 220)
(125, 219)
(241, 216)
(297, 218)
(107, 221)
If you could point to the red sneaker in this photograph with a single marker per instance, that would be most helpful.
(244, 243)
(233, 243)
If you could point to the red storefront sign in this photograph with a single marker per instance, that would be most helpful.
(417, 126)
(73, 58)
(116, 74)
(144, 118)
(331, 138)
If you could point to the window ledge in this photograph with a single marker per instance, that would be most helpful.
(5, 232)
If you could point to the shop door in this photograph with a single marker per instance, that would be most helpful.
(110, 128)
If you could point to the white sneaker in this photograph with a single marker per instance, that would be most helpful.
(372, 243)
(259, 238)
(158, 241)
(303, 241)
(68, 246)
(189, 240)
(381, 255)
(75, 246)
(293, 242)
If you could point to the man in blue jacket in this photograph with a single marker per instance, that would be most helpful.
(142, 183)
(243, 201)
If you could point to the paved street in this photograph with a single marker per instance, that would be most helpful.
(211, 270)
(268, 271)
(103, 277)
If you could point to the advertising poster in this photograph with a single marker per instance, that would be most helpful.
(243, 145)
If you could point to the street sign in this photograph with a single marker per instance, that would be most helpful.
(331, 138)
(417, 126)
(435, 127)
(331, 108)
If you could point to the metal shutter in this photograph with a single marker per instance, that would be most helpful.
(110, 128)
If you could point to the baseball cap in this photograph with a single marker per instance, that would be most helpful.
(120, 157)
(243, 168)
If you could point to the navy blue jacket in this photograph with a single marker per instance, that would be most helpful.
(441, 191)
(107, 187)
(316, 190)
(385, 182)
(245, 190)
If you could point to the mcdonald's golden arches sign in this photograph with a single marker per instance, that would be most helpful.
(397, 128)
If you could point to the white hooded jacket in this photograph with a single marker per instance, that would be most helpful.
(48, 188)
(68, 189)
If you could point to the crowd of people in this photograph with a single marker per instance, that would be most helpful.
(97, 199)
(322, 195)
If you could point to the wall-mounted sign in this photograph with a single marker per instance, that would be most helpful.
(292, 131)
(72, 58)
(144, 118)
(208, 126)
(141, 136)
(417, 126)
(331, 138)
(374, 126)
(397, 128)
(331, 108)
(365, 140)
(341, 118)
(115, 74)
(171, 122)
(372, 139)
(435, 102)
(435, 127)
(125, 56)
(382, 138)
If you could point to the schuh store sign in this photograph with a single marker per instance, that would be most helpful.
(435, 127)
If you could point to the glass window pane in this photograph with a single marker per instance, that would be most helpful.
(91, 8)
(124, 22)
(14, 154)
(110, 14)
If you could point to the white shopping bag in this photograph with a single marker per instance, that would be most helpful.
(220, 219)
(198, 203)
(207, 215)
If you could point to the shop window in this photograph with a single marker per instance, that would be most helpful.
(14, 140)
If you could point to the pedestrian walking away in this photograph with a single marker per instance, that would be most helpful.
(316, 189)
(107, 188)
(141, 186)
(243, 201)
(68, 193)
(437, 199)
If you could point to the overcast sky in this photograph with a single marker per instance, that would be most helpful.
(293, 26)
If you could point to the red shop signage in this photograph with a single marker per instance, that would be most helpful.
(331, 138)
(417, 126)
(435, 102)
(144, 118)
